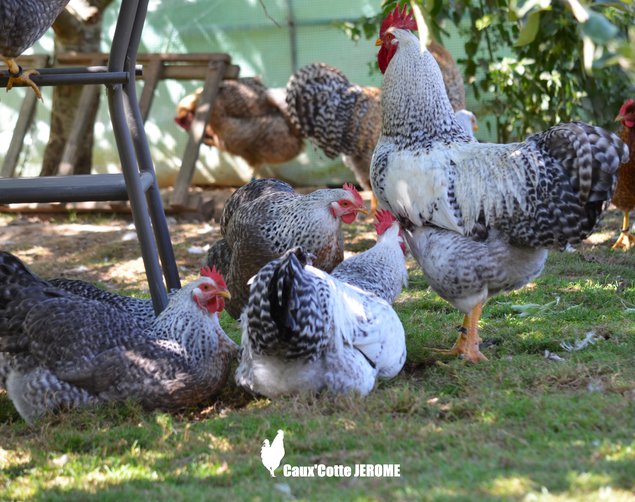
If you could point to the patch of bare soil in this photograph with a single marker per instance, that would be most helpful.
(99, 248)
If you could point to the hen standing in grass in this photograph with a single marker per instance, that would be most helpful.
(59, 350)
(624, 196)
(303, 330)
(479, 217)
(264, 218)
(22, 23)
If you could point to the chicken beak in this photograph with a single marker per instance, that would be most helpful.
(378, 42)
(363, 211)
(225, 294)
(619, 118)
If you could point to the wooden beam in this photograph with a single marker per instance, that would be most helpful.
(25, 119)
(215, 74)
(90, 95)
(152, 73)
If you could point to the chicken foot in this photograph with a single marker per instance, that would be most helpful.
(467, 343)
(626, 240)
(17, 76)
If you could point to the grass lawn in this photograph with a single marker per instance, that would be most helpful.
(519, 426)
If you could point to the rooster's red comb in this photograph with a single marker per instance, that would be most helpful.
(627, 104)
(350, 188)
(214, 275)
(398, 19)
(385, 219)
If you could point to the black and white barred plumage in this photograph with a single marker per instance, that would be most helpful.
(263, 219)
(59, 350)
(480, 217)
(305, 331)
(545, 192)
(340, 117)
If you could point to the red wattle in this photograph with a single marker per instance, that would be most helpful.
(348, 217)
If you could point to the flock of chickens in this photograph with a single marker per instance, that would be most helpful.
(478, 218)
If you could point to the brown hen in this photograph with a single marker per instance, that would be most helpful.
(624, 196)
(247, 120)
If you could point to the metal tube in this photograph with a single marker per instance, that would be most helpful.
(155, 204)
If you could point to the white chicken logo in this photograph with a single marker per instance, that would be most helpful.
(272, 454)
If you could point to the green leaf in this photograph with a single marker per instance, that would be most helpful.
(599, 29)
(529, 31)
(483, 22)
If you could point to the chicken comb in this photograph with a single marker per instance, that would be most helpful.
(385, 219)
(350, 188)
(214, 275)
(398, 19)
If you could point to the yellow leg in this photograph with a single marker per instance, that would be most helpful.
(466, 344)
(17, 76)
(626, 240)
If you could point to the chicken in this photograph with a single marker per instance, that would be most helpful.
(380, 270)
(22, 23)
(305, 331)
(479, 217)
(247, 120)
(345, 118)
(60, 351)
(624, 195)
(141, 309)
(264, 218)
(272, 454)
(340, 117)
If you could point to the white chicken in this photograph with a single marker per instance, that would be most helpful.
(479, 217)
(303, 330)
(272, 454)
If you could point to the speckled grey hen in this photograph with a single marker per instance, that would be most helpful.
(22, 23)
(60, 351)
(380, 270)
(265, 218)
(305, 331)
(479, 217)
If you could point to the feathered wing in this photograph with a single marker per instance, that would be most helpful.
(547, 191)
(315, 332)
(239, 237)
(141, 309)
(287, 314)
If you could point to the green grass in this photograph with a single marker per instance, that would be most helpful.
(516, 427)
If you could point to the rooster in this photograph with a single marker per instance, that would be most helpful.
(344, 118)
(264, 218)
(59, 350)
(479, 217)
(272, 454)
(247, 120)
(304, 330)
(22, 23)
(624, 196)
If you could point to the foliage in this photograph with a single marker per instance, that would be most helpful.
(535, 63)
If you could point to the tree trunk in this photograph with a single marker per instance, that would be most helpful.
(77, 29)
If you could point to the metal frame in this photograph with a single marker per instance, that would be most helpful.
(139, 185)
